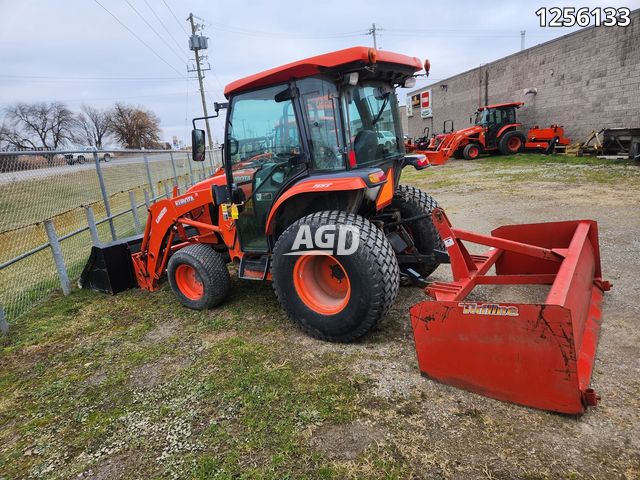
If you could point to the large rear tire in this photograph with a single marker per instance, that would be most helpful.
(511, 143)
(199, 277)
(412, 202)
(337, 298)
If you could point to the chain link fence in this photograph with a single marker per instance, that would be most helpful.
(50, 200)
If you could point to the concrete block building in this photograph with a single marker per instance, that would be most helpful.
(584, 81)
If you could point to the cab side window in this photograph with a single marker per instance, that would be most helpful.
(321, 107)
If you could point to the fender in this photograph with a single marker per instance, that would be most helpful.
(509, 126)
(315, 185)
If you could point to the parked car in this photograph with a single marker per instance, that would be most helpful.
(86, 154)
(386, 138)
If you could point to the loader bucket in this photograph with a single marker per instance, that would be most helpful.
(536, 354)
(109, 268)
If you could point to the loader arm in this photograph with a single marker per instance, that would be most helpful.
(166, 224)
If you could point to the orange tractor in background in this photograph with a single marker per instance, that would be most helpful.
(310, 198)
(495, 129)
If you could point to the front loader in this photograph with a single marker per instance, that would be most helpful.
(310, 199)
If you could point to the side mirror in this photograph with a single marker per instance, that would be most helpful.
(234, 146)
(198, 145)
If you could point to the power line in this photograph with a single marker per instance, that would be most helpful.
(138, 38)
(259, 33)
(163, 25)
(82, 79)
(180, 58)
(175, 18)
(454, 32)
(97, 99)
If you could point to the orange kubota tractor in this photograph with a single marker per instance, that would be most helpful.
(495, 129)
(309, 198)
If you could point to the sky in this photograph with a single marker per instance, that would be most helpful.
(97, 52)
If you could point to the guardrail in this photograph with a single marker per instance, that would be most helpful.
(45, 242)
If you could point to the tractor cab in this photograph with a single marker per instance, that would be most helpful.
(321, 117)
(495, 119)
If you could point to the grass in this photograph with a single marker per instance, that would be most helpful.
(520, 169)
(61, 197)
(224, 399)
(135, 386)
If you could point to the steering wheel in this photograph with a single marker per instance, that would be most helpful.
(261, 157)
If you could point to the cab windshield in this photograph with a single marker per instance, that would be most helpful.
(496, 116)
(372, 123)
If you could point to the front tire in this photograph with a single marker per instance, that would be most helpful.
(413, 202)
(199, 277)
(471, 151)
(337, 298)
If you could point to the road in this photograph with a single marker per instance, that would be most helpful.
(41, 173)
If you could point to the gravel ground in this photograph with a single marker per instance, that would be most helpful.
(478, 437)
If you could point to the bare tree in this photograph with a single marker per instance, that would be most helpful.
(135, 127)
(92, 126)
(37, 126)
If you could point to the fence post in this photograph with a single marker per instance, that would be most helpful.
(134, 210)
(167, 190)
(189, 163)
(211, 159)
(146, 165)
(147, 201)
(4, 326)
(105, 198)
(175, 172)
(54, 243)
(91, 222)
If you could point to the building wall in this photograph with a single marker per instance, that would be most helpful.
(404, 120)
(585, 81)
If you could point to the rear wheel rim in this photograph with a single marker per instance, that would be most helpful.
(514, 144)
(188, 281)
(322, 283)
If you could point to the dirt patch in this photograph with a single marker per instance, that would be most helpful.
(112, 468)
(154, 373)
(346, 442)
(163, 331)
(96, 379)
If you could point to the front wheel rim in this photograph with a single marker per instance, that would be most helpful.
(188, 282)
(322, 283)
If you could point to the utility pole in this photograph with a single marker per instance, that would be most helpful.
(522, 34)
(196, 43)
(372, 32)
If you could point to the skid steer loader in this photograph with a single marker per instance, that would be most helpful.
(308, 198)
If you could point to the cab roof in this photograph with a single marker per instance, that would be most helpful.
(355, 56)
(501, 105)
